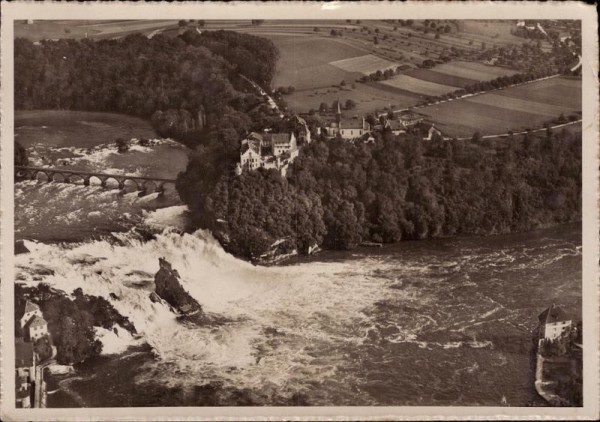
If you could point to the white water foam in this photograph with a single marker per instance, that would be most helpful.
(307, 307)
(116, 340)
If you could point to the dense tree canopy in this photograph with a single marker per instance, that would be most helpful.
(190, 85)
(340, 193)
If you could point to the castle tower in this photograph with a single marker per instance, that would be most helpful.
(338, 115)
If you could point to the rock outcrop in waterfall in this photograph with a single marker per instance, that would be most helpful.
(169, 288)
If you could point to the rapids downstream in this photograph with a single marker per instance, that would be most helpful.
(444, 322)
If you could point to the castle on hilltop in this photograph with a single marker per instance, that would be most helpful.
(273, 150)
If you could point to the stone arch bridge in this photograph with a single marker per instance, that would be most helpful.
(143, 184)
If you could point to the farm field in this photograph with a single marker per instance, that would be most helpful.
(562, 92)
(418, 86)
(364, 64)
(472, 70)
(304, 61)
(431, 75)
(511, 109)
(496, 32)
(368, 98)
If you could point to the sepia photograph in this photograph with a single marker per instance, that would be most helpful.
(298, 212)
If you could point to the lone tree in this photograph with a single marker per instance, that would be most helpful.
(182, 23)
(350, 104)
(257, 22)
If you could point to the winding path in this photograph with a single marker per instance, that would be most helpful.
(263, 93)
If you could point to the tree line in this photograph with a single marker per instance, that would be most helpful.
(499, 82)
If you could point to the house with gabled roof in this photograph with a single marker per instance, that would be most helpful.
(36, 328)
(25, 363)
(346, 128)
(553, 322)
(30, 310)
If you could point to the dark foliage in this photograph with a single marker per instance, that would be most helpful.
(343, 193)
(189, 85)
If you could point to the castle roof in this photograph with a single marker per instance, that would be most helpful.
(254, 135)
(278, 138)
(553, 314)
(23, 355)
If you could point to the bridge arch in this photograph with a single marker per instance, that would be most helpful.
(144, 184)
(47, 175)
(57, 176)
(147, 183)
(75, 178)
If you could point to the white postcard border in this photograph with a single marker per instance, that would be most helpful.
(294, 10)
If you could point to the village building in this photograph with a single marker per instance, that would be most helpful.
(409, 119)
(273, 150)
(346, 128)
(553, 322)
(31, 309)
(25, 362)
(302, 131)
(351, 129)
(32, 322)
(395, 126)
(37, 327)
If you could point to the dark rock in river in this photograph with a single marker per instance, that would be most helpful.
(20, 247)
(169, 288)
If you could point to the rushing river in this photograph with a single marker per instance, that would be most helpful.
(444, 322)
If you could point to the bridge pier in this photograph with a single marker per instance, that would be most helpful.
(121, 184)
(86, 181)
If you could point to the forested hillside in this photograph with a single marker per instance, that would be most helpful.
(188, 85)
(341, 193)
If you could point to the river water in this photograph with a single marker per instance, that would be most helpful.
(443, 322)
